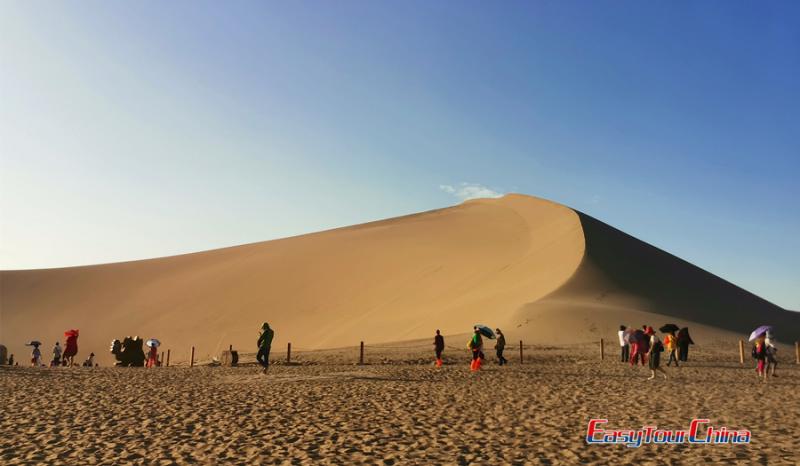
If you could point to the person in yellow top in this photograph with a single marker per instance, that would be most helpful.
(671, 345)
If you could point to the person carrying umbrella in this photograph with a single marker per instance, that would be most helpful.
(438, 347)
(499, 347)
(264, 346)
(36, 354)
(624, 348)
(759, 351)
(476, 345)
(152, 356)
(684, 340)
(671, 342)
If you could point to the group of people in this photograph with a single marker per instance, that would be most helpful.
(644, 346)
(61, 355)
(129, 352)
(475, 345)
(765, 353)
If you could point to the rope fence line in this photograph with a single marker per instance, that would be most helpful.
(228, 357)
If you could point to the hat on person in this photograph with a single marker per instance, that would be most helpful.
(649, 331)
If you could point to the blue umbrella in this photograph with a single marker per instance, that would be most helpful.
(485, 331)
(760, 331)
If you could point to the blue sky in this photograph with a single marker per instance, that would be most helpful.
(145, 129)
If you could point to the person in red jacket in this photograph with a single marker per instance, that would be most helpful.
(70, 347)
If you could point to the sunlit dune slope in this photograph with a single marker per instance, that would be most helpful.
(540, 270)
(384, 281)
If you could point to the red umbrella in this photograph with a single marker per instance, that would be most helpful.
(71, 333)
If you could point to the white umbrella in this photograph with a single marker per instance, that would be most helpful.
(153, 343)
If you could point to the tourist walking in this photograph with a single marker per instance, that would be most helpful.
(684, 340)
(36, 354)
(624, 348)
(771, 354)
(654, 354)
(671, 343)
(56, 356)
(438, 347)
(476, 345)
(759, 353)
(70, 347)
(264, 346)
(499, 346)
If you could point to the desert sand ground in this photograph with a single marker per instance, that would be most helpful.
(396, 409)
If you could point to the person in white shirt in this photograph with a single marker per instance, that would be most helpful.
(625, 349)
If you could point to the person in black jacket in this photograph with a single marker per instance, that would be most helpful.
(684, 340)
(499, 347)
(438, 347)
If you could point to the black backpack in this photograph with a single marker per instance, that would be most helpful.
(659, 347)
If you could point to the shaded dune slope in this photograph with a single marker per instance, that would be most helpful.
(622, 280)
(541, 270)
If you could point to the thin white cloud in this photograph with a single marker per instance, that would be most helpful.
(467, 191)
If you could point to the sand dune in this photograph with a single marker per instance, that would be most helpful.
(541, 270)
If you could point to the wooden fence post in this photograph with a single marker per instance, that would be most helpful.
(191, 361)
(797, 351)
(168, 357)
(288, 353)
(602, 350)
(520, 352)
(741, 352)
(361, 357)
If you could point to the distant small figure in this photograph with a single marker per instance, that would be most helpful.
(759, 353)
(264, 346)
(89, 361)
(771, 355)
(671, 343)
(70, 347)
(56, 356)
(654, 354)
(11, 360)
(476, 345)
(152, 356)
(36, 356)
(639, 347)
(624, 348)
(438, 347)
(684, 340)
(499, 347)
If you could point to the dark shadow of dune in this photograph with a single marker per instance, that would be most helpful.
(672, 286)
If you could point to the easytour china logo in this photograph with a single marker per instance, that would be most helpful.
(698, 433)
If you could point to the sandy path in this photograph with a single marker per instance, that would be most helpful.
(389, 414)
